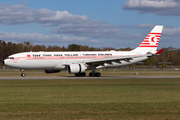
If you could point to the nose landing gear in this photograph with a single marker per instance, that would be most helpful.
(23, 74)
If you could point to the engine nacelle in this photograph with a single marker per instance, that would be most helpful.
(51, 71)
(76, 68)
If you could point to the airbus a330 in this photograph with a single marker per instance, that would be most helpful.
(80, 61)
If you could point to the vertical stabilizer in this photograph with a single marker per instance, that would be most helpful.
(150, 43)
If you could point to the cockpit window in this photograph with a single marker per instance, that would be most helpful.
(10, 58)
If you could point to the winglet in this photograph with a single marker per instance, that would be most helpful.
(159, 52)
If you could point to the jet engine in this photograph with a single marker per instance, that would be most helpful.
(76, 68)
(51, 71)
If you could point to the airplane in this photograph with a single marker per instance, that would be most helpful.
(79, 61)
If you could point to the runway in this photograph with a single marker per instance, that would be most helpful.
(87, 77)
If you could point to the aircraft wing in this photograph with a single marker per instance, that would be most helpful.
(112, 59)
(97, 62)
(117, 59)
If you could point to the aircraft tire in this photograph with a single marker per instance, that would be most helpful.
(77, 75)
(90, 74)
(23, 74)
(98, 74)
(93, 74)
(83, 74)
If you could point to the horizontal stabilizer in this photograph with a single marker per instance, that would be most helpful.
(159, 52)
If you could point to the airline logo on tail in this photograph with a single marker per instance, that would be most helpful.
(151, 40)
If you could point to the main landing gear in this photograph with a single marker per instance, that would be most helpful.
(94, 74)
(91, 74)
(23, 74)
(80, 74)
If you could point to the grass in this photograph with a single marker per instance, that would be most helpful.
(90, 99)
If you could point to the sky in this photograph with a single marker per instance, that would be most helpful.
(96, 23)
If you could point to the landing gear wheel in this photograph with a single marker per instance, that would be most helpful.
(96, 74)
(77, 74)
(23, 74)
(91, 74)
(83, 74)
(80, 74)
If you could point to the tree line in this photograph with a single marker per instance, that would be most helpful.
(9, 48)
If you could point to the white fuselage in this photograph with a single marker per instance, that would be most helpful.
(59, 60)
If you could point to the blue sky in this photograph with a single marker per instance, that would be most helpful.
(102, 23)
